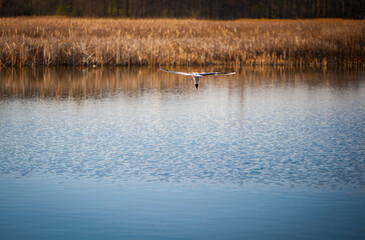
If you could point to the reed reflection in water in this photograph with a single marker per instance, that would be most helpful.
(281, 126)
(78, 83)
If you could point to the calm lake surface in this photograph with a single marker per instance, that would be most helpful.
(136, 153)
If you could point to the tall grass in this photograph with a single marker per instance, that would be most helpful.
(73, 41)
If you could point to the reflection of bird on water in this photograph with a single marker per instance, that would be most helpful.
(196, 75)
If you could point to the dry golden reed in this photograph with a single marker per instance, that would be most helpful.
(32, 41)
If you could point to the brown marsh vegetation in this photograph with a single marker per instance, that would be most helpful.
(33, 41)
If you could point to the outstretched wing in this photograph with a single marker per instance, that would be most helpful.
(181, 73)
(217, 73)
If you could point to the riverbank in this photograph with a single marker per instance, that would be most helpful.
(34, 41)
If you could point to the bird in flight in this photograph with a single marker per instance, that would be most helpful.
(196, 75)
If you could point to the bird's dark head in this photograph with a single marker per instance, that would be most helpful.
(197, 86)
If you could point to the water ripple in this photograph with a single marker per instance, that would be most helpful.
(287, 135)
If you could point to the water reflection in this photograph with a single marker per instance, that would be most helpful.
(79, 83)
(274, 126)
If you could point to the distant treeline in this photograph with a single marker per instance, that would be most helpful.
(203, 9)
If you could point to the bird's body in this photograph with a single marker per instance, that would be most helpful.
(196, 75)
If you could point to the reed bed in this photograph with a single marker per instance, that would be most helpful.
(33, 41)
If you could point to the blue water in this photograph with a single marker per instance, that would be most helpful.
(140, 154)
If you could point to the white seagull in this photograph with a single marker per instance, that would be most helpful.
(196, 75)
